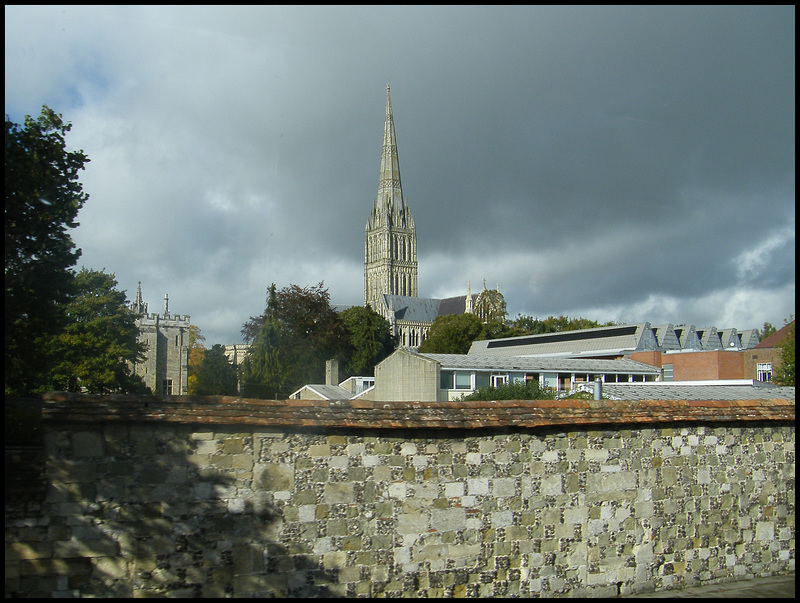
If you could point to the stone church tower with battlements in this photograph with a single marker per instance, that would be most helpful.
(165, 367)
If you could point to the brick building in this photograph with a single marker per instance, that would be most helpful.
(761, 362)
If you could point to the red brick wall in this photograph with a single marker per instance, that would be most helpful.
(696, 366)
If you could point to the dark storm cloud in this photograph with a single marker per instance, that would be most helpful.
(632, 162)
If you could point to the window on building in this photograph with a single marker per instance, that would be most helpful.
(764, 371)
(446, 380)
(463, 380)
(668, 372)
(167, 389)
(498, 380)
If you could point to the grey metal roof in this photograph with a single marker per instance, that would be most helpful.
(541, 363)
(666, 338)
(612, 340)
(687, 335)
(748, 338)
(667, 391)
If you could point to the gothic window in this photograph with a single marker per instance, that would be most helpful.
(490, 305)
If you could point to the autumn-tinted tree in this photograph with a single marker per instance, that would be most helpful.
(370, 339)
(197, 352)
(97, 347)
(216, 376)
(43, 197)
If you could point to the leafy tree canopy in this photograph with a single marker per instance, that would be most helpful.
(784, 373)
(291, 340)
(528, 325)
(43, 197)
(766, 331)
(99, 344)
(216, 376)
(452, 334)
(370, 339)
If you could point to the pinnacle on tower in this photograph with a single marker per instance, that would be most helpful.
(139, 307)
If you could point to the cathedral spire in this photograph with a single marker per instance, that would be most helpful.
(390, 191)
(390, 244)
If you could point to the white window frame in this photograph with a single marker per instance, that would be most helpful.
(497, 380)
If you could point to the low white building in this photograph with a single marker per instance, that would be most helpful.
(411, 376)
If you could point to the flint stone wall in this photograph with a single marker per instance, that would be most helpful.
(149, 498)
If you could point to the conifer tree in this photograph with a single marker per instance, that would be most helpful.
(43, 197)
(99, 344)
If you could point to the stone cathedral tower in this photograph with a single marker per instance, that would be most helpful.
(390, 243)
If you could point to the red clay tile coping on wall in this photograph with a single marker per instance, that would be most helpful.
(222, 410)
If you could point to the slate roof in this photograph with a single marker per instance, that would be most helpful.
(668, 391)
(541, 363)
(328, 392)
(412, 309)
(454, 305)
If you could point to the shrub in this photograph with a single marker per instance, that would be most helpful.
(513, 391)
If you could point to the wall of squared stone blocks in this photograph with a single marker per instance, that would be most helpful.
(154, 509)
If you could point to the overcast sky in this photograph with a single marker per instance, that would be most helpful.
(627, 164)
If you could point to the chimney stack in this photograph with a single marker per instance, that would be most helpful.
(331, 372)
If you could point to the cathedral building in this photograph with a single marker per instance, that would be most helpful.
(165, 368)
(390, 259)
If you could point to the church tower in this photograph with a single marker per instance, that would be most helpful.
(390, 242)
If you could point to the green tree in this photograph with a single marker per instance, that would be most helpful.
(528, 325)
(452, 334)
(496, 329)
(291, 341)
(216, 376)
(99, 344)
(785, 371)
(766, 331)
(261, 371)
(43, 197)
(370, 339)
